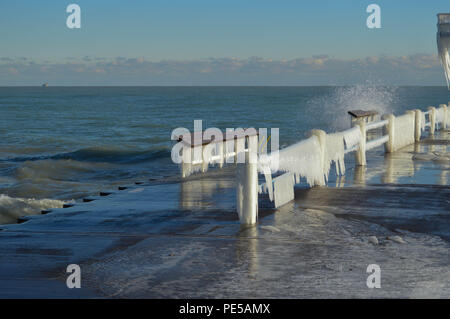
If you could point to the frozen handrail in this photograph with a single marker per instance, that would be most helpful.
(375, 125)
(311, 158)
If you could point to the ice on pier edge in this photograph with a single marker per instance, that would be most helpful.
(443, 43)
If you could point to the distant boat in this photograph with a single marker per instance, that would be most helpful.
(45, 85)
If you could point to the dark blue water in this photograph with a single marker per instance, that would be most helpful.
(68, 142)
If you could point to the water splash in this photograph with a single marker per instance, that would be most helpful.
(335, 105)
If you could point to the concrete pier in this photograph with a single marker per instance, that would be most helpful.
(183, 239)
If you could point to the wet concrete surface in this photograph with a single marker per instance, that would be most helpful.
(178, 239)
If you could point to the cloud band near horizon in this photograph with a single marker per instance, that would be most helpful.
(415, 69)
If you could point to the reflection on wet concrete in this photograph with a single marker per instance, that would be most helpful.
(197, 193)
(247, 249)
(425, 162)
(359, 175)
(397, 165)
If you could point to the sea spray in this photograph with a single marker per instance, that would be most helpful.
(12, 208)
(333, 107)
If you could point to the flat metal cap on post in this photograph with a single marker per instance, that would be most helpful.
(362, 113)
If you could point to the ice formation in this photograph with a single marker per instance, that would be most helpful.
(423, 121)
(443, 43)
(404, 130)
(195, 160)
(352, 137)
(440, 115)
(200, 157)
(283, 189)
(334, 152)
(268, 185)
(303, 159)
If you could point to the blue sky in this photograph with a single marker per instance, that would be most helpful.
(194, 32)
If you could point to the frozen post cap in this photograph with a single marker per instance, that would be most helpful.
(443, 43)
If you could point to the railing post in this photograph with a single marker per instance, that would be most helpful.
(360, 154)
(389, 130)
(186, 164)
(247, 184)
(444, 120)
(205, 160)
(432, 116)
(322, 137)
(221, 147)
(417, 125)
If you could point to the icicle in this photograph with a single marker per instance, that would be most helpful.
(334, 153)
(260, 189)
(423, 121)
(268, 175)
(352, 137)
(302, 159)
(443, 43)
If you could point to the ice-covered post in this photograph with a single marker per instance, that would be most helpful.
(221, 152)
(432, 115)
(360, 154)
(186, 163)
(417, 125)
(247, 183)
(322, 137)
(389, 130)
(205, 159)
(444, 116)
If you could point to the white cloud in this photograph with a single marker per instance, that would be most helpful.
(416, 69)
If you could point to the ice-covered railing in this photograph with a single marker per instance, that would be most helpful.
(297, 160)
(309, 159)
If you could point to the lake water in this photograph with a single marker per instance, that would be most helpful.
(63, 143)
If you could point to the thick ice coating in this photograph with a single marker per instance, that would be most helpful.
(303, 159)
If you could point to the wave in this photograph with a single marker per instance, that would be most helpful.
(12, 208)
(114, 155)
(102, 154)
(57, 170)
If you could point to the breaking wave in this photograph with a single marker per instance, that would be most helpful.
(12, 208)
